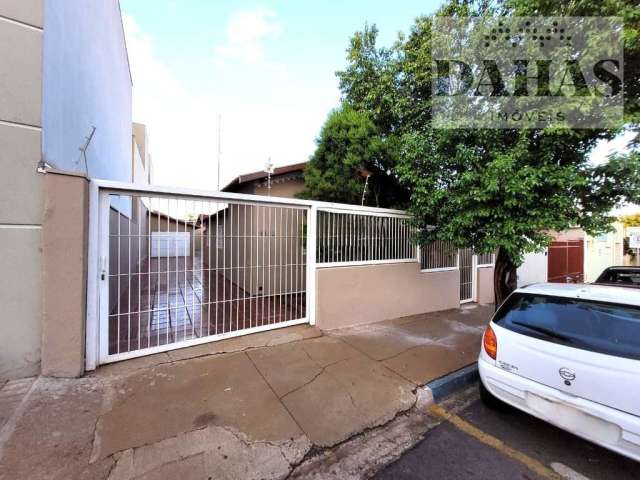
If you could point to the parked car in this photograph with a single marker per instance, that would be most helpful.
(620, 277)
(569, 354)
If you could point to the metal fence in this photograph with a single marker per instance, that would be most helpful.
(486, 259)
(170, 268)
(363, 238)
(438, 255)
(178, 270)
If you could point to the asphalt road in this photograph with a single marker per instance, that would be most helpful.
(528, 449)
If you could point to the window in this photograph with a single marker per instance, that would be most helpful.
(438, 255)
(627, 277)
(600, 327)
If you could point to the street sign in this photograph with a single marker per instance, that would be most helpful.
(634, 240)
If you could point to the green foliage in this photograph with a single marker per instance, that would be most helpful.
(349, 148)
(492, 188)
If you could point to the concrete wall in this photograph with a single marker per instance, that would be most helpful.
(603, 251)
(64, 69)
(65, 236)
(484, 287)
(534, 269)
(87, 83)
(21, 188)
(287, 189)
(365, 294)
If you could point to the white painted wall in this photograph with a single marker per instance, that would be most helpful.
(603, 251)
(86, 81)
(534, 269)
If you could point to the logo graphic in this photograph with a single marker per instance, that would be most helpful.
(527, 72)
(567, 374)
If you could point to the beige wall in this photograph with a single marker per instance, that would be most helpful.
(365, 294)
(287, 189)
(485, 285)
(65, 234)
(21, 188)
(568, 235)
(603, 251)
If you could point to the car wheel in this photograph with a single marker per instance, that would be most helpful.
(489, 400)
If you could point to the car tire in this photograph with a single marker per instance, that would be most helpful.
(489, 400)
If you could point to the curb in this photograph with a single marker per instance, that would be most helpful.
(453, 382)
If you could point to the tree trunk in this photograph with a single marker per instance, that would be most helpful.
(504, 277)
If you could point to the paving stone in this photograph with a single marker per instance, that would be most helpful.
(423, 364)
(245, 342)
(288, 367)
(162, 402)
(52, 439)
(11, 394)
(378, 343)
(174, 416)
(327, 350)
(348, 397)
(192, 468)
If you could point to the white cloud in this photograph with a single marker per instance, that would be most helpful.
(246, 33)
(280, 119)
(181, 123)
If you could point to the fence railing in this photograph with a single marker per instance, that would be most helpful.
(362, 237)
(173, 267)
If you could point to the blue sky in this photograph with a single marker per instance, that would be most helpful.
(267, 67)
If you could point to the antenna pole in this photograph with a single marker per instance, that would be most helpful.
(219, 147)
(269, 170)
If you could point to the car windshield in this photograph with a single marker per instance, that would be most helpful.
(600, 327)
(624, 277)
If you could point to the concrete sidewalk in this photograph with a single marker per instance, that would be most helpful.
(249, 407)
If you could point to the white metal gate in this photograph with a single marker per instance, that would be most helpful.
(180, 269)
(467, 274)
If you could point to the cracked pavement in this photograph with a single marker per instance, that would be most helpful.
(260, 406)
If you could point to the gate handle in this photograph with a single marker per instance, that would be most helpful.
(103, 273)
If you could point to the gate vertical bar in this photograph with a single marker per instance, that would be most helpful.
(103, 274)
(312, 225)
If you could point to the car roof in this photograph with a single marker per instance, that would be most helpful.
(603, 293)
(625, 268)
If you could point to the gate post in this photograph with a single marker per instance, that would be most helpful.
(93, 316)
(312, 225)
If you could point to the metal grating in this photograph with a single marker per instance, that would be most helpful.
(362, 238)
(466, 274)
(486, 259)
(438, 255)
(182, 270)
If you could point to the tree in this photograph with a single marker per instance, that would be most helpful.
(350, 149)
(492, 189)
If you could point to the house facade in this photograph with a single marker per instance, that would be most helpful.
(65, 117)
(95, 271)
(426, 279)
(286, 181)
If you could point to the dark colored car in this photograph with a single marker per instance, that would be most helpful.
(620, 277)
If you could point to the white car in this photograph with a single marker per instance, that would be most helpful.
(570, 355)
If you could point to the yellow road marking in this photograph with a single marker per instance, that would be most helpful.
(532, 464)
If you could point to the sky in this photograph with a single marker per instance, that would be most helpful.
(267, 68)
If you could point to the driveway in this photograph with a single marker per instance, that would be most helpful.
(248, 407)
